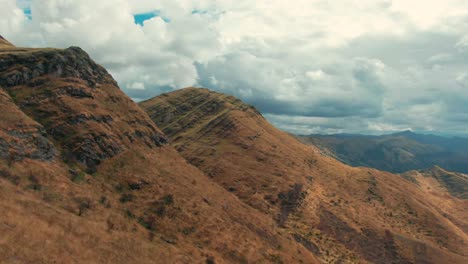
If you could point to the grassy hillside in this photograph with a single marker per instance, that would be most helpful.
(87, 177)
(339, 213)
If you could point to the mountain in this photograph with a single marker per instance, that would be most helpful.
(437, 178)
(339, 213)
(192, 176)
(5, 43)
(438, 184)
(87, 177)
(397, 152)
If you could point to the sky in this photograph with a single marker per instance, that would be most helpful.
(310, 66)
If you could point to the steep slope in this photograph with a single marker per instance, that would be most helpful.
(341, 213)
(397, 152)
(86, 177)
(436, 178)
(4, 43)
(439, 186)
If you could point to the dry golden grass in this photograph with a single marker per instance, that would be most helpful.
(342, 213)
(141, 204)
(114, 192)
(4, 43)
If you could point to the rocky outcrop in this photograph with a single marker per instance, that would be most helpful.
(77, 102)
(21, 137)
(19, 68)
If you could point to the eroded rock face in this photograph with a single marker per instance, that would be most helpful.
(21, 67)
(20, 137)
(77, 102)
(31, 145)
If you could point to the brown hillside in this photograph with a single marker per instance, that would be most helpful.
(440, 181)
(4, 43)
(86, 177)
(441, 185)
(341, 213)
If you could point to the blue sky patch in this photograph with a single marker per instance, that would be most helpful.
(140, 18)
(27, 13)
(201, 12)
(25, 5)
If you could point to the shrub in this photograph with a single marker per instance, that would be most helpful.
(103, 200)
(84, 204)
(168, 199)
(189, 230)
(148, 223)
(78, 177)
(12, 178)
(127, 197)
(119, 188)
(35, 185)
(129, 214)
(134, 186)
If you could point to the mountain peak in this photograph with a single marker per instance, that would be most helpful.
(405, 133)
(190, 106)
(437, 168)
(72, 62)
(201, 95)
(67, 92)
(434, 171)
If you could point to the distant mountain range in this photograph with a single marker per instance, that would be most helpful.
(398, 152)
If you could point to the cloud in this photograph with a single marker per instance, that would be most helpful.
(136, 86)
(351, 88)
(12, 18)
(462, 45)
(309, 65)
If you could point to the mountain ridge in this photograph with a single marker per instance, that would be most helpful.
(4, 43)
(398, 152)
(454, 183)
(338, 212)
(86, 176)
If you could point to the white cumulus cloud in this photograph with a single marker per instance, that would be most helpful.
(308, 65)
